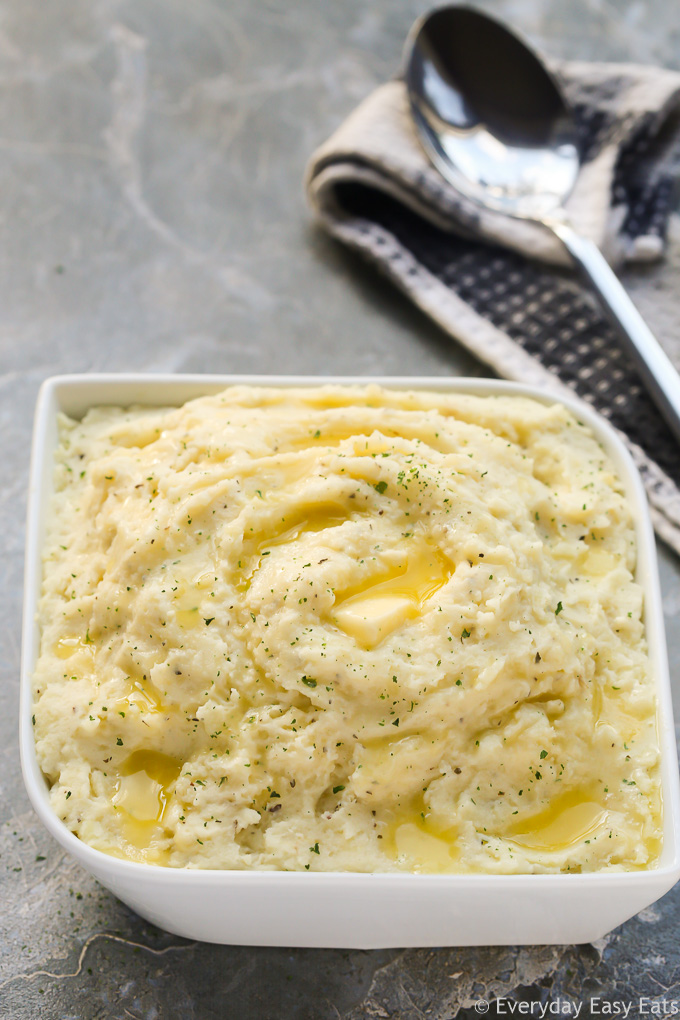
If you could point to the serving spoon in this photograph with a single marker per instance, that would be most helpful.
(494, 122)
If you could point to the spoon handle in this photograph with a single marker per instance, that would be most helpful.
(657, 371)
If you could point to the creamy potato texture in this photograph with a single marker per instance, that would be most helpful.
(345, 628)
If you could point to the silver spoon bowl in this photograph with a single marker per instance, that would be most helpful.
(494, 122)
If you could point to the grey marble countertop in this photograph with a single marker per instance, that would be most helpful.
(152, 218)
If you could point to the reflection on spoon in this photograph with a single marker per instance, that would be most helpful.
(493, 121)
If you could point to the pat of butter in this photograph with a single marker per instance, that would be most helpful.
(369, 619)
(380, 606)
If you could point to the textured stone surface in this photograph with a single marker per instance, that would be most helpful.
(152, 218)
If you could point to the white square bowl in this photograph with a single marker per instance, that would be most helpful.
(334, 909)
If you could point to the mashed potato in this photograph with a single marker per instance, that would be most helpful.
(346, 629)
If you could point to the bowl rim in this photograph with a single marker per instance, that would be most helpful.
(81, 391)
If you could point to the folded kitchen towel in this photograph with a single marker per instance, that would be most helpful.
(504, 288)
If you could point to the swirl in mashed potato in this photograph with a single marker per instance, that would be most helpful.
(346, 628)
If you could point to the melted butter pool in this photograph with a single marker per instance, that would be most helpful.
(291, 528)
(417, 838)
(67, 647)
(567, 821)
(297, 524)
(371, 611)
(427, 845)
(145, 695)
(141, 796)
